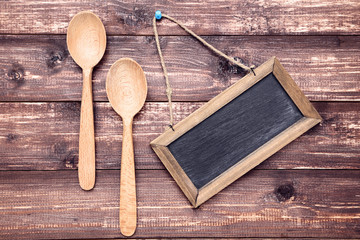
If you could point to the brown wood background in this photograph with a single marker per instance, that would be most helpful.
(310, 189)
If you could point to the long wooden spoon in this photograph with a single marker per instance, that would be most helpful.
(126, 89)
(86, 41)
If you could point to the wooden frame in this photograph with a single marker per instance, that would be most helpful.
(198, 196)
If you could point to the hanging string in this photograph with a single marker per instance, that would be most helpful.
(158, 16)
(168, 87)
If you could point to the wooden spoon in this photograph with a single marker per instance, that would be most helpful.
(126, 89)
(86, 41)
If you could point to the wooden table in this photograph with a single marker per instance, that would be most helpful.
(310, 189)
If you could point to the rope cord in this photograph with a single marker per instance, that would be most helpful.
(158, 16)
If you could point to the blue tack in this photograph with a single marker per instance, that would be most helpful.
(158, 15)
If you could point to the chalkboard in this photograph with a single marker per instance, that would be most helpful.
(235, 131)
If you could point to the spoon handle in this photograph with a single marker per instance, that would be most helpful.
(86, 169)
(127, 182)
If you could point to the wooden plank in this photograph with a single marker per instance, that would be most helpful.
(272, 203)
(39, 68)
(204, 17)
(44, 136)
(223, 238)
(236, 238)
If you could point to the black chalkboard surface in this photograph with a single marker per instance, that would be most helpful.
(235, 131)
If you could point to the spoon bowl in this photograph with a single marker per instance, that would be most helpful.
(86, 41)
(126, 89)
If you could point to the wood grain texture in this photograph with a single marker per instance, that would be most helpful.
(318, 43)
(126, 88)
(86, 42)
(225, 238)
(44, 136)
(128, 204)
(285, 203)
(39, 68)
(86, 166)
(204, 17)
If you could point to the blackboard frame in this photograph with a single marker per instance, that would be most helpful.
(198, 196)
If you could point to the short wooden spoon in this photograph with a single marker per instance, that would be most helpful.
(86, 41)
(126, 89)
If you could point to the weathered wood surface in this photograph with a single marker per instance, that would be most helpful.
(44, 136)
(263, 203)
(204, 17)
(234, 238)
(307, 190)
(231, 238)
(39, 68)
